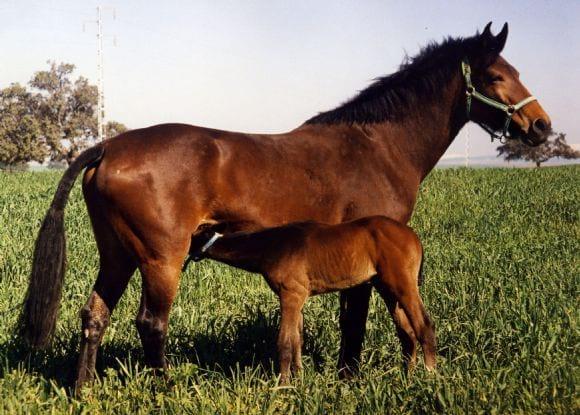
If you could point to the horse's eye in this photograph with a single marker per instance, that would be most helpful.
(495, 78)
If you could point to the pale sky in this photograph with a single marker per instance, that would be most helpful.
(266, 66)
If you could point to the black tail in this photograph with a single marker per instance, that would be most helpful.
(38, 317)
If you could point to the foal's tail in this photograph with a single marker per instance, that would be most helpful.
(42, 300)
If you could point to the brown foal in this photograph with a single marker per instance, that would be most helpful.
(308, 258)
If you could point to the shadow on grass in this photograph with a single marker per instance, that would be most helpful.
(249, 344)
(58, 363)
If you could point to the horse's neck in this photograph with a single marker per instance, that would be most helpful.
(423, 136)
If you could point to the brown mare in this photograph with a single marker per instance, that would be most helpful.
(149, 190)
(302, 259)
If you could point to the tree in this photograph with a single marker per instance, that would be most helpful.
(516, 150)
(20, 130)
(56, 119)
(114, 128)
(66, 111)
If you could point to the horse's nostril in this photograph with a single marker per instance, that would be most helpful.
(540, 126)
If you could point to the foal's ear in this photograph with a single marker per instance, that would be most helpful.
(491, 44)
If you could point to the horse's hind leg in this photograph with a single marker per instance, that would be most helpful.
(160, 282)
(116, 269)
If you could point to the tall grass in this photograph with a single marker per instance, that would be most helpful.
(502, 273)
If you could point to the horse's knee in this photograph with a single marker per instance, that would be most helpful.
(94, 320)
(150, 327)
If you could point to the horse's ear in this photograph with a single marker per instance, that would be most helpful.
(486, 38)
(487, 32)
(501, 38)
(490, 44)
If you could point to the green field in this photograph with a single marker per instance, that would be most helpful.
(501, 284)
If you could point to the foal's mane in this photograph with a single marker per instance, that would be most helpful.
(419, 78)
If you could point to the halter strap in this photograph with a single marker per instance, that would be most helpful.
(197, 255)
(471, 93)
(211, 241)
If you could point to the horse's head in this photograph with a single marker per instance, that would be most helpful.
(496, 98)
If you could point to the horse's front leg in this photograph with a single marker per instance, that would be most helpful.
(354, 307)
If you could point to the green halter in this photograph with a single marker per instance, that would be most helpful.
(509, 110)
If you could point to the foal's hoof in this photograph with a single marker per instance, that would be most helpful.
(284, 380)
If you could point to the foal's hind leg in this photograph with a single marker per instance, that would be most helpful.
(422, 326)
(404, 330)
(397, 283)
(411, 320)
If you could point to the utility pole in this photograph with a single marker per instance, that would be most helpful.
(467, 146)
(101, 121)
(100, 82)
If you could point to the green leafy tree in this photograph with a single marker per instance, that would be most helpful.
(557, 147)
(20, 130)
(55, 119)
(114, 128)
(66, 110)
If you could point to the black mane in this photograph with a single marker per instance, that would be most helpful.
(419, 78)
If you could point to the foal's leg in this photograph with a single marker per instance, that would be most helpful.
(289, 336)
(401, 286)
(297, 357)
(403, 327)
(354, 308)
(160, 282)
(422, 325)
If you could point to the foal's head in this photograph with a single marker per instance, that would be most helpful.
(491, 75)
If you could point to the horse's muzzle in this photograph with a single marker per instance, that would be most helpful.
(537, 134)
